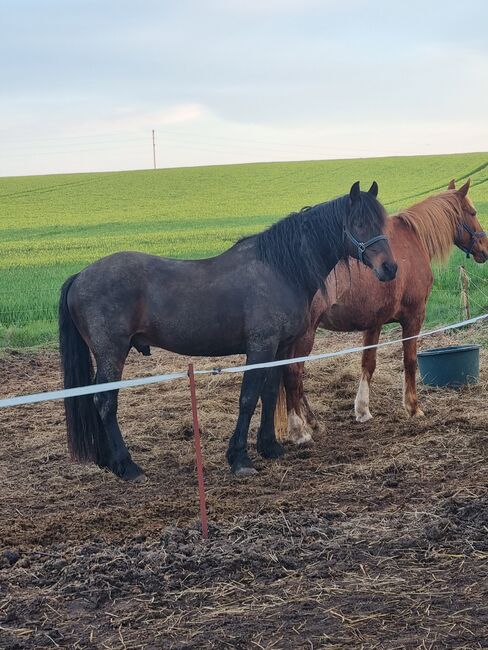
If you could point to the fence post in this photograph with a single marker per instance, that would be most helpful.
(198, 452)
(464, 281)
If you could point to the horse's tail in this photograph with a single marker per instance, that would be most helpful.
(281, 414)
(85, 428)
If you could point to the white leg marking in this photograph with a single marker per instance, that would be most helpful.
(361, 403)
(298, 430)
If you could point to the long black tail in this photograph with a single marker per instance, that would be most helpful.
(86, 434)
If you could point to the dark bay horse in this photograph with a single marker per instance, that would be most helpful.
(253, 299)
(355, 301)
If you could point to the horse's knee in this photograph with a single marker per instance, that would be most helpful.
(272, 393)
(246, 404)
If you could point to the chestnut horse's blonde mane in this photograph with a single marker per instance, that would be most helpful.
(435, 221)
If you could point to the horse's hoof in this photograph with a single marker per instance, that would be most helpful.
(303, 439)
(365, 417)
(418, 414)
(131, 472)
(243, 467)
(244, 471)
(298, 431)
(271, 450)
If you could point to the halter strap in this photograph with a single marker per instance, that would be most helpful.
(362, 246)
(475, 235)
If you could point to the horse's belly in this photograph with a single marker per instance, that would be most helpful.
(341, 318)
(200, 344)
(197, 348)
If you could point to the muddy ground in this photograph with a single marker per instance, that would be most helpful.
(374, 537)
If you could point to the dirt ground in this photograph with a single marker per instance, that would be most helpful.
(376, 536)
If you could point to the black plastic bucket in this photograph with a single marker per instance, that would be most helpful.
(453, 366)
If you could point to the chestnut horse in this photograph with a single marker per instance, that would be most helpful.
(253, 299)
(354, 301)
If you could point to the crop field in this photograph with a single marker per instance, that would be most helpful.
(53, 226)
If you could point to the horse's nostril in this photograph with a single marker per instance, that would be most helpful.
(390, 269)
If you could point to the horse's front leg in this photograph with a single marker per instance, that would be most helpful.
(251, 388)
(368, 364)
(267, 445)
(410, 403)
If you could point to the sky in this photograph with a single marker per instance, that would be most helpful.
(84, 82)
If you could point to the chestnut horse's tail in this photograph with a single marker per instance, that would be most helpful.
(281, 414)
(85, 429)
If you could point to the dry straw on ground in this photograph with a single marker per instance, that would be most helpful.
(374, 537)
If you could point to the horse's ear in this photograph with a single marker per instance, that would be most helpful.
(354, 192)
(452, 185)
(464, 189)
(374, 189)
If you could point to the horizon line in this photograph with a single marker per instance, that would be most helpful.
(236, 164)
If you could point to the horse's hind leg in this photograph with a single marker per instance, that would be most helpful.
(116, 456)
(267, 445)
(309, 413)
(361, 403)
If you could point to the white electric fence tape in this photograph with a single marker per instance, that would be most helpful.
(156, 379)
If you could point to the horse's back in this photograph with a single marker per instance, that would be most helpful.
(199, 307)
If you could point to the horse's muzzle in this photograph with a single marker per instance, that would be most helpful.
(386, 272)
(481, 257)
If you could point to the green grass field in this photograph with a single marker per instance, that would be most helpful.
(53, 226)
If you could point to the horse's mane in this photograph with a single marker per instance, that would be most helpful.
(435, 221)
(305, 245)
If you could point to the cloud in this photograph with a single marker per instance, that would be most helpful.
(129, 119)
(229, 80)
(181, 113)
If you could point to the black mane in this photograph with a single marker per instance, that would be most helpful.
(306, 245)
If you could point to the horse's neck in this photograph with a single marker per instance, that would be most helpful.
(396, 226)
(324, 263)
(329, 267)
